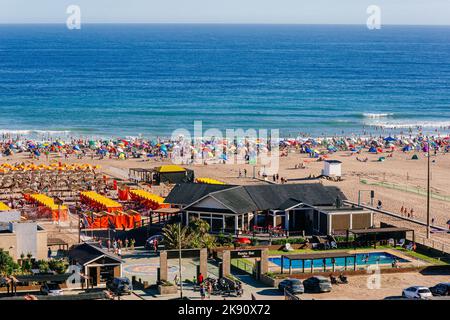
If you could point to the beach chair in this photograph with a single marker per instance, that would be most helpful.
(287, 247)
(391, 242)
(401, 243)
(409, 246)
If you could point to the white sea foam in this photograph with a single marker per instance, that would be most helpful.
(34, 132)
(408, 124)
(377, 115)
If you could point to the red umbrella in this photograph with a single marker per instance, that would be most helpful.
(243, 241)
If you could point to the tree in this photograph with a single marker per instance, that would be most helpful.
(195, 236)
(7, 264)
(199, 226)
(174, 234)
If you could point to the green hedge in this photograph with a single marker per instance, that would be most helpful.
(288, 240)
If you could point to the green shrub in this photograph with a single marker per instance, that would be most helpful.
(58, 265)
(288, 240)
(42, 265)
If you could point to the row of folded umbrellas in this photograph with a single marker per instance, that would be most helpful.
(6, 167)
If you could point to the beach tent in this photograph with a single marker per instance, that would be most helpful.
(381, 159)
(407, 148)
(373, 149)
(415, 157)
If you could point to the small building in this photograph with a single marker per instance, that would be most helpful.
(336, 221)
(97, 264)
(332, 168)
(23, 237)
(162, 174)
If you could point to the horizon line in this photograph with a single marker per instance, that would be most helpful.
(226, 23)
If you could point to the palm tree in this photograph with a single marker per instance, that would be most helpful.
(199, 226)
(175, 237)
(199, 231)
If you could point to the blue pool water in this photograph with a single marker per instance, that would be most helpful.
(374, 258)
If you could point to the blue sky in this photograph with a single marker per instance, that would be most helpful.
(227, 11)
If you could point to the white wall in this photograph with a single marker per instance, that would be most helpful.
(332, 169)
(9, 216)
(26, 235)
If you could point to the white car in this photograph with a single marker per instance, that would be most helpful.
(417, 292)
(51, 289)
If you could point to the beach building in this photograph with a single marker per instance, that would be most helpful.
(22, 237)
(162, 174)
(309, 208)
(332, 168)
(96, 264)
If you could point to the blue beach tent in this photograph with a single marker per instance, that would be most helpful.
(407, 148)
(389, 139)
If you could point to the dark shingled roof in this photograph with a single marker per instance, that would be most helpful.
(186, 193)
(241, 199)
(237, 199)
(87, 252)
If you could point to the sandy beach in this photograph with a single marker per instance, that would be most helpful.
(408, 175)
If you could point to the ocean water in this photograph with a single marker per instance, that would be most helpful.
(129, 80)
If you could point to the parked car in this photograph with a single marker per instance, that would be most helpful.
(51, 289)
(120, 286)
(441, 289)
(317, 284)
(294, 286)
(417, 292)
(149, 241)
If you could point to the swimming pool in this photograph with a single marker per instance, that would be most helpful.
(362, 259)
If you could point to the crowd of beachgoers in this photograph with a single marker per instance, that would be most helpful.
(216, 149)
(219, 149)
